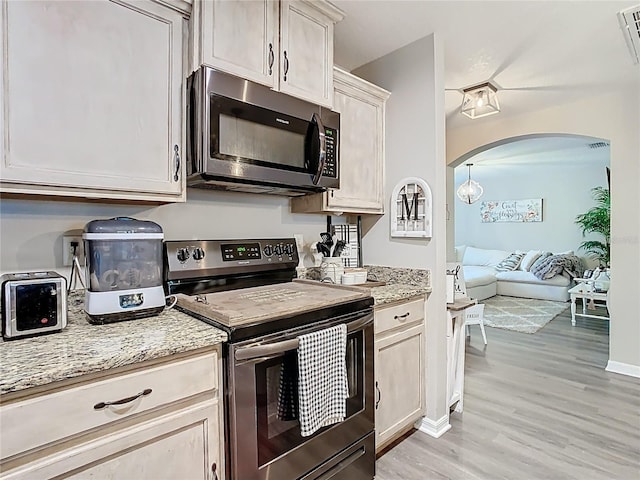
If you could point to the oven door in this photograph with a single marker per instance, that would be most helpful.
(265, 435)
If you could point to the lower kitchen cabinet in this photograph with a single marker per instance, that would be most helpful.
(400, 369)
(150, 431)
(92, 99)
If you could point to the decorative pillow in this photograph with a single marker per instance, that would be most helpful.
(530, 257)
(539, 261)
(510, 263)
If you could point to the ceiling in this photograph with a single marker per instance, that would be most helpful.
(538, 53)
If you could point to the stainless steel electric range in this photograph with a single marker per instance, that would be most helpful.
(247, 288)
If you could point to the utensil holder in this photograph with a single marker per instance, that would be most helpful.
(331, 269)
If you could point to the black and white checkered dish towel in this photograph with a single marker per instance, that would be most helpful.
(322, 373)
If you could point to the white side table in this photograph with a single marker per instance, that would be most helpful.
(586, 292)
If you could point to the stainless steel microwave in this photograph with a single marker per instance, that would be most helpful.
(243, 136)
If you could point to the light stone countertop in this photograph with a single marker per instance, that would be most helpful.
(82, 348)
(401, 283)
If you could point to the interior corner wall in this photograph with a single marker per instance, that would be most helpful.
(414, 147)
(616, 117)
(565, 191)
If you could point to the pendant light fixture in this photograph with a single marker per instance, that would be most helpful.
(480, 101)
(469, 191)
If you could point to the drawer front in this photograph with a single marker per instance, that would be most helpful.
(72, 411)
(399, 315)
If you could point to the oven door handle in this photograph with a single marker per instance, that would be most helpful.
(252, 352)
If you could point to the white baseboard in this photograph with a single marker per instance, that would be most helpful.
(435, 429)
(623, 368)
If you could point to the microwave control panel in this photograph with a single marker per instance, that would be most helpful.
(331, 162)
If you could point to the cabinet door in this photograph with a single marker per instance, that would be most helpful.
(306, 56)
(361, 155)
(399, 382)
(184, 444)
(92, 99)
(241, 37)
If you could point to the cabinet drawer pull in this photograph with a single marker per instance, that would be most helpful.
(379, 396)
(176, 156)
(271, 58)
(214, 475)
(401, 317)
(101, 405)
(286, 65)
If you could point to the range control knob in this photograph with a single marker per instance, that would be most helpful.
(278, 249)
(268, 250)
(183, 254)
(288, 249)
(198, 254)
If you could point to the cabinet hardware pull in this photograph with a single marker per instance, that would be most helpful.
(271, 58)
(286, 65)
(214, 475)
(101, 405)
(379, 396)
(176, 156)
(401, 317)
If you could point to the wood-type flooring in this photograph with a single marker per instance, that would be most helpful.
(536, 406)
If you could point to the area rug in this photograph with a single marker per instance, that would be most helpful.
(524, 315)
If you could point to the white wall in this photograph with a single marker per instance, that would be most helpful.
(415, 148)
(565, 191)
(615, 116)
(31, 229)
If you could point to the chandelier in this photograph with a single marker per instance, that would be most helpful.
(469, 191)
(480, 101)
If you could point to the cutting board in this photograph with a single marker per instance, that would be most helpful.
(252, 305)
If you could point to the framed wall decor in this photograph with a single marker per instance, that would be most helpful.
(411, 209)
(529, 210)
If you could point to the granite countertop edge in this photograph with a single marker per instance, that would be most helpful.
(83, 349)
(397, 292)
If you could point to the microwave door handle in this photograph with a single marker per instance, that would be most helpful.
(322, 155)
(251, 352)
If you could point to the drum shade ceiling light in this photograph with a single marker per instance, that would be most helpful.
(480, 101)
(469, 191)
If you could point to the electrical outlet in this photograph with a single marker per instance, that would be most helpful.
(68, 242)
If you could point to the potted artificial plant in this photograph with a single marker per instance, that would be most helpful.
(597, 220)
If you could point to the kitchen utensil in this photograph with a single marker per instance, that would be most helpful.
(327, 239)
(339, 247)
(323, 249)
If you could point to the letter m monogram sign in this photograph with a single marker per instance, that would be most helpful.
(411, 207)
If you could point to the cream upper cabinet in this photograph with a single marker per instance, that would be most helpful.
(92, 99)
(239, 37)
(165, 421)
(399, 369)
(286, 45)
(362, 107)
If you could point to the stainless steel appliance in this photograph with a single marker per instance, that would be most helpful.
(263, 322)
(33, 303)
(124, 269)
(244, 136)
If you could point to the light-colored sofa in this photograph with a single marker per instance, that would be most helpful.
(483, 280)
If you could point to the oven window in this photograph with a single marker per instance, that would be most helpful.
(277, 399)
